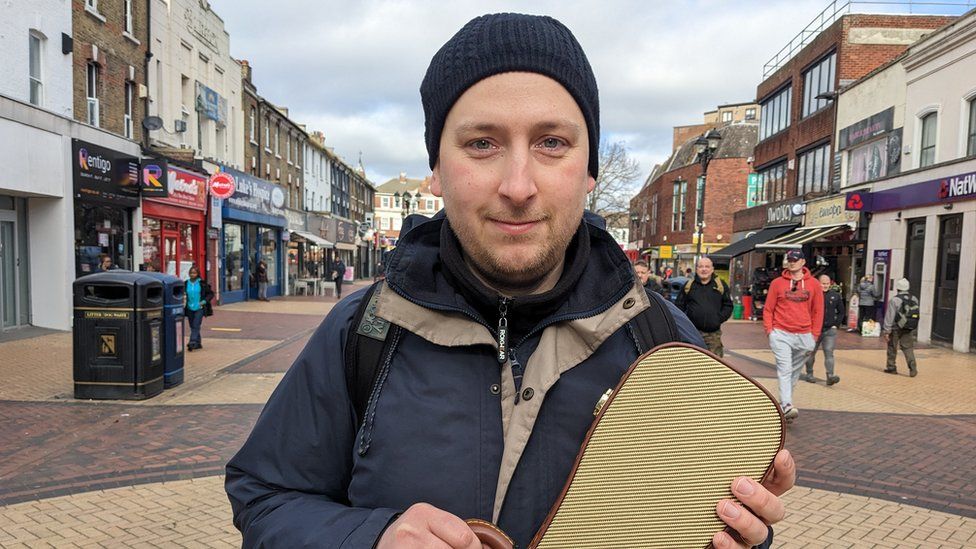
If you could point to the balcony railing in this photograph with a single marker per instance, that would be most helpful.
(838, 8)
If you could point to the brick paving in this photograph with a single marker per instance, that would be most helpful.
(884, 461)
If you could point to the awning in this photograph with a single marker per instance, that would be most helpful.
(314, 239)
(799, 237)
(345, 246)
(749, 243)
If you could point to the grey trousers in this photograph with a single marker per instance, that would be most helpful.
(791, 352)
(828, 340)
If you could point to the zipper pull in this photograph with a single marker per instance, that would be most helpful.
(502, 330)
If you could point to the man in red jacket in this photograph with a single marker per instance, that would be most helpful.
(793, 317)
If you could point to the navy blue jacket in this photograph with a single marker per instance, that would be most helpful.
(445, 425)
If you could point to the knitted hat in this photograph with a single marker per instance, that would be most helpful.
(508, 42)
(902, 285)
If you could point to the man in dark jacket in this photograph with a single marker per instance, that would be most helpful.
(650, 281)
(834, 313)
(510, 314)
(706, 301)
(338, 271)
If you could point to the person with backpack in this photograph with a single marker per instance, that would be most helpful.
(834, 313)
(901, 327)
(708, 303)
(462, 387)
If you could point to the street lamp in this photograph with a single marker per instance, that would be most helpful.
(405, 211)
(706, 146)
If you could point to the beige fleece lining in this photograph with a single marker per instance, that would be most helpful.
(446, 328)
(562, 346)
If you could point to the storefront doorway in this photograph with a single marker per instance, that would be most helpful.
(9, 304)
(947, 277)
(914, 252)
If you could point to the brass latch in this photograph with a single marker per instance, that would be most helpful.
(603, 400)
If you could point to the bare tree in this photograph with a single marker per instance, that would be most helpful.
(617, 182)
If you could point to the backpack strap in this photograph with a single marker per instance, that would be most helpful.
(654, 325)
(365, 347)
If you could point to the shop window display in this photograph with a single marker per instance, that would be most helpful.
(100, 230)
(267, 252)
(233, 257)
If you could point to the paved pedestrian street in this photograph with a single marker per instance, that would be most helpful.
(884, 461)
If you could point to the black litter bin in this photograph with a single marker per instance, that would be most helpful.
(118, 336)
(173, 328)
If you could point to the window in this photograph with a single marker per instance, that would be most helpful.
(727, 116)
(772, 182)
(288, 147)
(776, 113)
(91, 5)
(267, 133)
(36, 80)
(817, 80)
(813, 172)
(750, 114)
(971, 146)
(699, 197)
(277, 140)
(251, 123)
(930, 124)
(385, 202)
(678, 207)
(127, 15)
(127, 116)
(430, 205)
(92, 91)
(867, 162)
(654, 214)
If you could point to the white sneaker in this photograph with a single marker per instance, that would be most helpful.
(790, 412)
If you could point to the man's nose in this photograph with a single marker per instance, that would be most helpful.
(518, 183)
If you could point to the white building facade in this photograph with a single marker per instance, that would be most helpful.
(923, 216)
(34, 67)
(318, 175)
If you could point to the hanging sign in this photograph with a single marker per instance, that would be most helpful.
(222, 185)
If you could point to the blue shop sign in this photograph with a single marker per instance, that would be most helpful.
(255, 196)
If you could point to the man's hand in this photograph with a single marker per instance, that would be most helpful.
(423, 525)
(764, 505)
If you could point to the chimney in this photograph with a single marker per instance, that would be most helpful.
(403, 177)
(245, 70)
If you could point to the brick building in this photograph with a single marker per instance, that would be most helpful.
(724, 114)
(663, 214)
(110, 45)
(274, 145)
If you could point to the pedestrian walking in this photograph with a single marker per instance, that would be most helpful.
(707, 302)
(262, 279)
(867, 295)
(338, 271)
(649, 280)
(834, 312)
(511, 272)
(793, 318)
(901, 327)
(199, 297)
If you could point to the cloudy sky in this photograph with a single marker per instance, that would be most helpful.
(352, 69)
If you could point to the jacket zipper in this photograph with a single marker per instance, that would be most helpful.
(503, 329)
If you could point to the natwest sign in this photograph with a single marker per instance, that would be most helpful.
(935, 191)
(958, 186)
(222, 185)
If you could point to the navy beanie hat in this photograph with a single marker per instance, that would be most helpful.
(508, 42)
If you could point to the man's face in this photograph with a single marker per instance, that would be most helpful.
(642, 273)
(513, 174)
(705, 268)
(825, 282)
(796, 265)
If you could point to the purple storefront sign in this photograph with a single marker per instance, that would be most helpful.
(926, 193)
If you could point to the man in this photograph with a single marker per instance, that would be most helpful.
(338, 272)
(834, 312)
(649, 280)
(707, 302)
(867, 294)
(508, 317)
(793, 318)
(901, 326)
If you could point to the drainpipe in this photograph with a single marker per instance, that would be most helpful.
(149, 56)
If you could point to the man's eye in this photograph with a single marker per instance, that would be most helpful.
(551, 143)
(481, 144)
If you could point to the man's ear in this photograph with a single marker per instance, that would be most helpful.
(590, 184)
(435, 181)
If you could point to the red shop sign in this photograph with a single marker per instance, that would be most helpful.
(186, 189)
(222, 185)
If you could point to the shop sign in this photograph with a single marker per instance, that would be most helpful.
(934, 191)
(665, 252)
(186, 189)
(328, 230)
(221, 185)
(104, 175)
(255, 195)
(296, 220)
(210, 104)
(345, 232)
(867, 129)
(213, 233)
(153, 182)
(832, 211)
(216, 213)
(782, 213)
(752, 191)
(874, 160)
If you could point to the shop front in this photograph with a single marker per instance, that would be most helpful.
(254, 230)
(14, 276)
(173, 227)
(925, 231)
(343, 233)
(106, 192)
